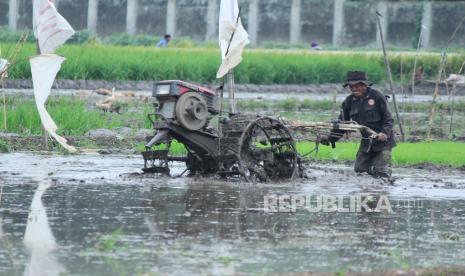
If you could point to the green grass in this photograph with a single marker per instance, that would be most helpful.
(4, 146)
(260, 66)
(439, 153)
(73, 117)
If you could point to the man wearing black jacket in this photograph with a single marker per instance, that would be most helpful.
(368, 107)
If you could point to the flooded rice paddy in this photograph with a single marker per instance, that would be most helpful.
(94, 214)
(276, 96)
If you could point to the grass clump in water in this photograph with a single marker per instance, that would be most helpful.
(4, 146)
(71, 115)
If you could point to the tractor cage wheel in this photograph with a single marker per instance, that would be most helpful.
(267, 151)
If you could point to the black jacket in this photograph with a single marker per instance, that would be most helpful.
(371, 110)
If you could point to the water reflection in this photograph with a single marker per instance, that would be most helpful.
(39, 239)
(1, 218)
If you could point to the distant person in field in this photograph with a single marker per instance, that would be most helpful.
(163, 43)
(368, 107)
(314, 46)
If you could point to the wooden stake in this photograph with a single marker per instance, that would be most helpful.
(389, 75)
(333, 105)
(231, 92)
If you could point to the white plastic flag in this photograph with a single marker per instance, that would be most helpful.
(50, 28)
(51, 31)
(3, 66)
(229, 24)
(44, 69)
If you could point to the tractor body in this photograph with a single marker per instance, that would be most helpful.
(254, 147)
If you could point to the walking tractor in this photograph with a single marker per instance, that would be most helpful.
(254, 147)
(257, 148)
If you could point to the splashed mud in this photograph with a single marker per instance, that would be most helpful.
(93, 214)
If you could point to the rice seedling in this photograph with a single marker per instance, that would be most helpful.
(260, 66)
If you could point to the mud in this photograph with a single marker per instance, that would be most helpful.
(95, 214)
(112, 143)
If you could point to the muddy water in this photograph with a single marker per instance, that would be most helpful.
(90, 214)
(277, 96)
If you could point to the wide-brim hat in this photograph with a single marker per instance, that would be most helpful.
(354, 77)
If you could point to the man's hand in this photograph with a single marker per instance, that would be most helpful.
(324, 140)
(382, 137)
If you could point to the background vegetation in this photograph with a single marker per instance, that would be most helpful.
(73, 116)
(260, 66)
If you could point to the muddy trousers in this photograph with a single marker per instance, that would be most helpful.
(377, 164)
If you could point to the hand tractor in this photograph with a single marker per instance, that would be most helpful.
(257, 148)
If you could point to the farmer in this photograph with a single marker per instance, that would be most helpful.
(315, 46)
(368, 107)
(163, 43)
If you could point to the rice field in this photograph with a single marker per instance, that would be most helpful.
(440, 153)
(260, 66)
(75, 117)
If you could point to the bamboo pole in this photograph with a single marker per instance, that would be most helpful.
(442, 65)
(5, 126)
(445, 111)
(415, 65)
(231, 92)
(351, 126)
(230, 74)
(43, 128)
(389, 75)
(453, 101)
(432, 109)
(4, 73)
(402, 90)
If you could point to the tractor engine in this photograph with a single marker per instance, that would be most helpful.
(186, 104)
